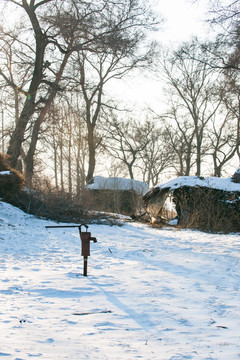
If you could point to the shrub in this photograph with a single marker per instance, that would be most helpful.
(52, 206)
(125, 202)
(11, 180)
(207, 209)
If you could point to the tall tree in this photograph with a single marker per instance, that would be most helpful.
(95, 72)
(222, 140)
(157, 157)
(57, 30)
(223, 51)
(181, 135)
(125, 140)
(63, 137)
(193, 88)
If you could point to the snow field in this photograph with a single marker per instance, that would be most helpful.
(150, 294)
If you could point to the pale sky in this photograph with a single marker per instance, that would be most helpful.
(183, 20)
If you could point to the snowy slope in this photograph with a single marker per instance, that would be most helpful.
(151, 294)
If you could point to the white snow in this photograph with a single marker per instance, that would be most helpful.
(150, 294)
(117, 183)
(6, 172)
(210, 182)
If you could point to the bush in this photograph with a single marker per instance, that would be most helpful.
(43, 200)
(11, 180)
(208, 209)
(126, 202)
(52, 206)
(57, 206)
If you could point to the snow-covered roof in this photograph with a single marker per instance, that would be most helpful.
(225, 184)
(117, 183)
(5, 172)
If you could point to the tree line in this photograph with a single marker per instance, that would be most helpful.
(56, 63)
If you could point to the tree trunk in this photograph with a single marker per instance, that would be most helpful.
(238, 133)
(34, 139)
(91, 153)
(80, 163)
(55, 164)
(61, 162)
(40, 119)
(78, 182)
(3, 126)
(198, 159)
(70, 158)
(17, 137)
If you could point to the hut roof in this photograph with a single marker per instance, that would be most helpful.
(5, 172)
(117, 183)
(225, 184)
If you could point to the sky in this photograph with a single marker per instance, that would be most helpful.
(183, 20)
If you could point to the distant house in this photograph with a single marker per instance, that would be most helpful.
(115, 194)
(211, 203)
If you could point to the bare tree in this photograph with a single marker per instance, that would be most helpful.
(194, 91)
(225, 14)
(158, 156)
(65, 141)
(12, 96)
(125, 140)
(222, 141)
(181, 145)
(93, 71)
(41, 88)
(57, 30)
(222, 53)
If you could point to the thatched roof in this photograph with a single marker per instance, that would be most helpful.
(225, 184)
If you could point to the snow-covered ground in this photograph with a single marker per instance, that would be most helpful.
(150, 294)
